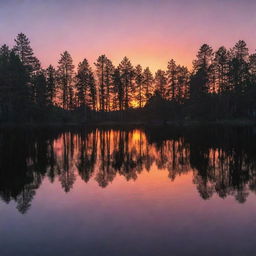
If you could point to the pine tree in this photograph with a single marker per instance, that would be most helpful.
(204, 58)
(92, 94)
(182, 88)
(104, 71)
(65, 79)
(221, 69)
(127, 76)
(200, 79)
(32, 65)
(147, 84)
(161, 83)
(171, 74)
(118, 91)
(109, 84)
(139, 85)
(14, 100)
(240, 51)
(23, 49)
(100, 71)
(238, 67)
(51, 84)
(82, 81)
(85, 85)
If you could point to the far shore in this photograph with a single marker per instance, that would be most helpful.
(121, 124)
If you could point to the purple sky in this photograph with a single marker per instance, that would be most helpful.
(149, 32)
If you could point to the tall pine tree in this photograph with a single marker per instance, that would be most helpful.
(65, 80)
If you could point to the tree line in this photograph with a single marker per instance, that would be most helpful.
(221, 84)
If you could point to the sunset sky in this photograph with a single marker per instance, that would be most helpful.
(149, 32)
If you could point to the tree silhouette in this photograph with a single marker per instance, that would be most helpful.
(65, 79)
(51, 84)
(104, 70)
(14, 93)
(161, 83)
(127, 76)
(147, 84)
(171, 74)
(118, 90)
(139, 79)
(23, 49)
(85, 85)
(221, 85)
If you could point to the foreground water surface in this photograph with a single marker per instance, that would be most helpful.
(128, 191)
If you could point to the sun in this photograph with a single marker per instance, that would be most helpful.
(135, 104)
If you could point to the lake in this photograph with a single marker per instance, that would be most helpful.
(158, 191)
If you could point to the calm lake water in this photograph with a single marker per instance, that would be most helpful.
(128, 192)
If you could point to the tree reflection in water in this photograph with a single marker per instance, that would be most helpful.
(223, 160)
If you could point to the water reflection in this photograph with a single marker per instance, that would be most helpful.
(223, 161)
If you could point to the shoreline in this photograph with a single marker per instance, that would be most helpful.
(155, 123)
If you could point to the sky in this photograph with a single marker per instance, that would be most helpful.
(149, 32)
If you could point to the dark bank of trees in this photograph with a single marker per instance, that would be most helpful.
(221, 85)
